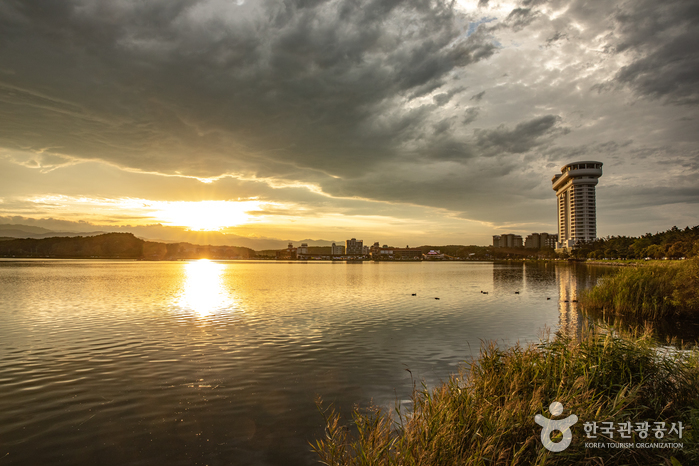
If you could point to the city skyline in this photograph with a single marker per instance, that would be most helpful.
(409, 123)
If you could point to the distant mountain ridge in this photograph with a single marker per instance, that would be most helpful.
(23, 228)
(116, 246)
(27, 231)
(216, 238)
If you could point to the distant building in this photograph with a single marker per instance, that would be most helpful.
(434, 255)
(354, 247)
(288, 253)
(533, 241)
(337, 250)
(548, 240)
(306, 252)
(390, 253)
(540, 240)
(575, 191)
(507, 241)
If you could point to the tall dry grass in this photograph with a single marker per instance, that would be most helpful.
(648, 293)
(485, 415)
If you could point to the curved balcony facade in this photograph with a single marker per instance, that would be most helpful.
(575, 191)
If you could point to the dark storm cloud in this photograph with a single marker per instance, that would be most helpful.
(478, 96)
(520, 18)
(659, 37)
(629, 196)
(362, 98)
(555, 38)
(599, 150)
(206, 88)
(671, 70)
(524, 137)
(470, 115)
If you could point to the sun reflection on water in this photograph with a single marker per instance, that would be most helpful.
(204, 289)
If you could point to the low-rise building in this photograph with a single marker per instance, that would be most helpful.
(288, 253)
(314, 252)
(433, 255)
(391, 253)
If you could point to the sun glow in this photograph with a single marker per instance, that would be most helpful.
(193, 215)
(204, 289)
(206, 215)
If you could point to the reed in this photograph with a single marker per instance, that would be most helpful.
(485, 415)
(648, 293)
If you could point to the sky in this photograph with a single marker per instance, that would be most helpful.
(404, 122)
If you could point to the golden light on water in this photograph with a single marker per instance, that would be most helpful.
(204, 289)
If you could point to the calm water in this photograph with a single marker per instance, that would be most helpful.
(219, 362)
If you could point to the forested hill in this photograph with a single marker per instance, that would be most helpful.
(117, 246)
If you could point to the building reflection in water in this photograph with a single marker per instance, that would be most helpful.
(204, 290)
(516, 276)
(570, 321)
(539, 275)
(508, 276)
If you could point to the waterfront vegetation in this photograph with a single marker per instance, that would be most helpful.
(652, 292)
(485, 415)
(673, 243)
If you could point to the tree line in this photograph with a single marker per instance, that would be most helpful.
(117, 246)
(674, 243)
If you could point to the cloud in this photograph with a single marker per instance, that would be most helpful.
(211, 87)
(659, 40)
(470, 115)
(519, 18)
(478, 97)
(327, 101)
(671, 71)
(524, 137)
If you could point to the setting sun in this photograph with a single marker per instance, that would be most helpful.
(206, 215)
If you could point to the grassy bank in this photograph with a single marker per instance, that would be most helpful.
(651, 292)
(486, 415)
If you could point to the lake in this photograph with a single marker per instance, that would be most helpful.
(218, 363)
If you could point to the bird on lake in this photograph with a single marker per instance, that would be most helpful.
(414, 294)
(436, 298)
(547, 299)
(516, 292)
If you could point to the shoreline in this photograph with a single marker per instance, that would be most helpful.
(501, 394)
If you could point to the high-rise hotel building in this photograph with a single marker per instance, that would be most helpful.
(575, 190)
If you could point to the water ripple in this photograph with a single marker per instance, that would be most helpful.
(116, 362)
